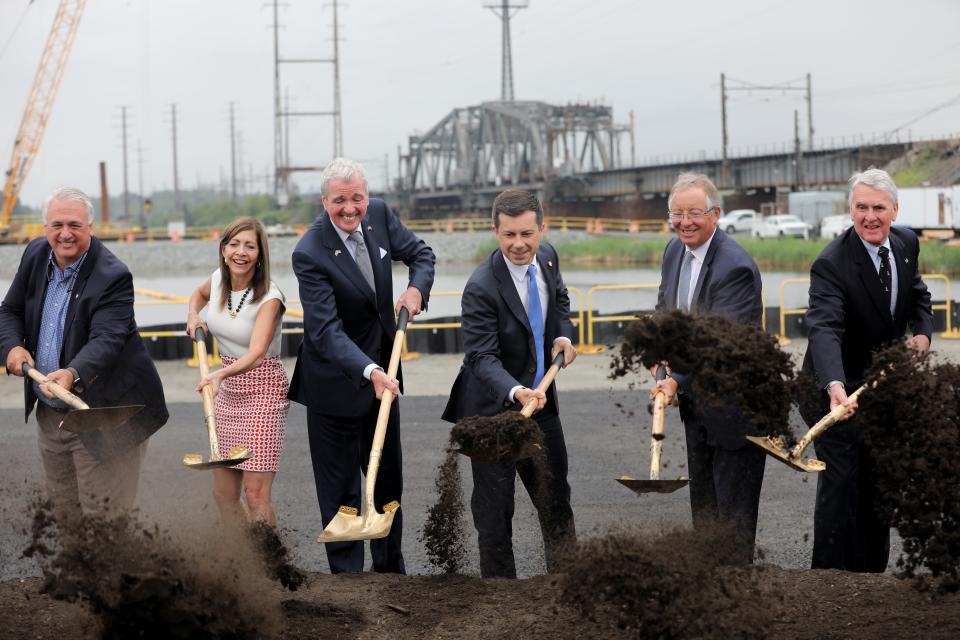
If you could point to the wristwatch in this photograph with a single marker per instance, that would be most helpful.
(76, 377)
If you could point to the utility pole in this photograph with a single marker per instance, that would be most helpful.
(126, 188)
(725, 171)
(177, 204)
(233, 156)
(503, 9)
(143, 216)
(337, 122)
(798, 151)
(809, 116)
(277, 125)
(633, 141)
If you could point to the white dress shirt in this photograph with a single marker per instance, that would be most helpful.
(699, 255)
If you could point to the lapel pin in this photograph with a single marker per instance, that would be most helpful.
(369, 227)
(549, 263)
(337, 252)
(906, 260)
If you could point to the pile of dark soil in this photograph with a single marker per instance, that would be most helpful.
(681, 584)
(266, 541)
(499, 439)
(911, 420)
(139, 583)
(443, 532)
(730, 364)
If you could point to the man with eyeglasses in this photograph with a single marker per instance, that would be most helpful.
(704, 271)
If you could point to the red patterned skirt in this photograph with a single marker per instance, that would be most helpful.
(252, 412)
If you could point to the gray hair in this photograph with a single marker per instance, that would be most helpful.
(689, 181)
(68, 194)
(342, 169)
(876, 179)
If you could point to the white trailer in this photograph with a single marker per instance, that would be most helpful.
(930, 208)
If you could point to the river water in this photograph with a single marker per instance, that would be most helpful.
(178, 268)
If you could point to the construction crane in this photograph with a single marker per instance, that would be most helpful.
(39, 105)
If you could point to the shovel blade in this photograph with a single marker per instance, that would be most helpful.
(235, 457)
(348, 526)
(777, 452)
(98, 418)
(652, 486)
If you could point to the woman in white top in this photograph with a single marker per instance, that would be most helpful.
(244, 314)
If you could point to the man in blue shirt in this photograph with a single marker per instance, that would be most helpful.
(69, 314)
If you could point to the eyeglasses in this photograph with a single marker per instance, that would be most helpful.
(695, 215)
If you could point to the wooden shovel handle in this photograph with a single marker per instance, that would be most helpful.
(209, 412)
(656, 431)
(57, 390)
(545, 383)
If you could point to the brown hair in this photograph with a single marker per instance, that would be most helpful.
(515, 202)
(261, 273)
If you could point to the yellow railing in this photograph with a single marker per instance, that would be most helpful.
(947, 306)
(592, 319)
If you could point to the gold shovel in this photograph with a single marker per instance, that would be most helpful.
(655, 484)
(793, 457)
(346, 525)
(237, 454)
(83, 418)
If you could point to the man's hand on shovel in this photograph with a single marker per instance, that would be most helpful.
(15, 360)
(61, 377)
(382, 381)
(919, 345)
(523, 396)
(412, 301)
(838, 396)
(668, 387)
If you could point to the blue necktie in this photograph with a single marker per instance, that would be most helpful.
(535, 316)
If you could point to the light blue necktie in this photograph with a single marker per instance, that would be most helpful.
(535, 316)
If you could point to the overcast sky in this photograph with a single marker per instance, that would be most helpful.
(876, 65)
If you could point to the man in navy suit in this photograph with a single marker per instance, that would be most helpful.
(704, 271)
(343, 265)
(865, 289)
(516, 319)
(69, 314)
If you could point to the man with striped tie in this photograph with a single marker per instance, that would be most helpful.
(516, 319)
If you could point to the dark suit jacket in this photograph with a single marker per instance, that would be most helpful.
(847, 319)
(729, 284)
(497, 340)
(345, 326)
(100, 341)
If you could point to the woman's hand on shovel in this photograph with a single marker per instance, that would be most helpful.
(211, 379)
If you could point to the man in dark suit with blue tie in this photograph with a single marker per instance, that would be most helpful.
(704, 271)
(343, 266)
(865, 290)
(516, 319)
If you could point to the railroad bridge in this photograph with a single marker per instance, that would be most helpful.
(572, 156)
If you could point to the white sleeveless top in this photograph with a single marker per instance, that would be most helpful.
(234, 334)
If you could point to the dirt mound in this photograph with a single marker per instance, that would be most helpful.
(735, 365)
(139, 582)
(680, 584)
(266, 541)
(911, 421)
(443, 532)
(501, 438)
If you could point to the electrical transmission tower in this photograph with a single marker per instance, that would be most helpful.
(282, 112)
(506, 9)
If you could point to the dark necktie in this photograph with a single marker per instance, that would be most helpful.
(886, 277)
(535, 316)
(684, 283)
(363, 259)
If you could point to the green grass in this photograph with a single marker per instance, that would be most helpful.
(775, 254)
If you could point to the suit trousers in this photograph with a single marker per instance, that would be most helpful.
(76, 482)
(492, 504)
(848, 533)
(725, 486)
(340, 450)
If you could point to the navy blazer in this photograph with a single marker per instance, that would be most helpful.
(100, 341)
(846, 293)
(345, 326)
(729, 284)
(498, 344)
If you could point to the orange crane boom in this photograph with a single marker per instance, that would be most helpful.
(40, 103)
